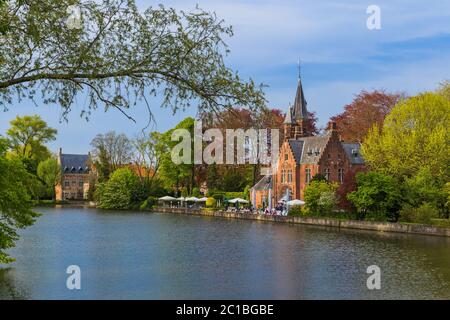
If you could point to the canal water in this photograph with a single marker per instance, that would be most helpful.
(133, 255)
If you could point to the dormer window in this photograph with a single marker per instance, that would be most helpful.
(355, 153)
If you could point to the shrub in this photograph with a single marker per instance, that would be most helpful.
(423, 214)
(232, 195)
(425, 188)
(320, 197)
(376, 193)
(184, 192)
(196, 192)
(122, 191)
(149, 203)
(319, 178)
(376, 216)
(295, 211)
(327, 201)
(210, 202)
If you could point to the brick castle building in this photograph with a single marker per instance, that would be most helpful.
(75, 176)
(303, 155)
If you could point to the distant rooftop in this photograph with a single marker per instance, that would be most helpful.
(75, 163)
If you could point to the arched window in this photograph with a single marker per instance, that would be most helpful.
(327, 174)
(307, 175)
(341, 175)
(289, 176)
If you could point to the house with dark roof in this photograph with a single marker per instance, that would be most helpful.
(303, 155)
(75, 176)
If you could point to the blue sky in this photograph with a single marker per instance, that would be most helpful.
(340, 57)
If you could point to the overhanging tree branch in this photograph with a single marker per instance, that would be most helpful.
(121, 55)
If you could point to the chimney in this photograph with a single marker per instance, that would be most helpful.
(333, 130)
(60, 151)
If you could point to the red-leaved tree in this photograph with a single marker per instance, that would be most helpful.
(367, 109)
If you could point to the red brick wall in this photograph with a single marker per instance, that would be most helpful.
(333, 157)
(73, 190)
(286, 164)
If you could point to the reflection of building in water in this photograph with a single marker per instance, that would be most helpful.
(303, 155)
(8, 287)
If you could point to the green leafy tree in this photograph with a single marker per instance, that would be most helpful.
(4, 21)
(377, 193)
(15, 201)
(177, 175)
(424, 188)
(28, 136)
(447, 192)
(117, 54)
(415, 135)
(234, 180)
(196, 192)
(444, 89)
(212, 177)
(425, 213)
(184, 192)
(319, 177)
(147, 156)
(49, 171)
(102, 165)
(123, 190)
(320, 197)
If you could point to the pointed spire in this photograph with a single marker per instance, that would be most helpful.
(300, 111)
(288, 117)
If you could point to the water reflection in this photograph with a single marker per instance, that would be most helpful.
(125, 255)
(8, 288)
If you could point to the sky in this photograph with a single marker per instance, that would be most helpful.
(339, 56)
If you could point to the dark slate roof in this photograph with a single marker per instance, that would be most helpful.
(353, 152)
(264, 184)
(313, 148)
(297, 148)
(309, 149)
(299, 111)
(74, 163)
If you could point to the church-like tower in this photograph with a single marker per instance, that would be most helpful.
(295, 122)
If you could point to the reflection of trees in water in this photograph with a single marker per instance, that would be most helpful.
(8, 289)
